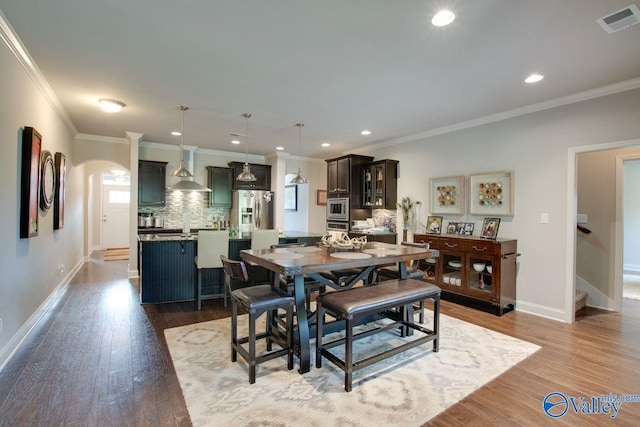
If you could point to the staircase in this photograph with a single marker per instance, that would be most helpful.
(581, 300)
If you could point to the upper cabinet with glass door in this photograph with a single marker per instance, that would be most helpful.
(380, 184)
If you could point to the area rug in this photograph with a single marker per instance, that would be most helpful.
(631, 286)
(406, 390)
(116, 254)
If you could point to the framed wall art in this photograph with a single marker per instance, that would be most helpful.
(321, 197)
(58, 197)
(491, 193)
(446, 195)
(490, 228)
(290, 197)
(434, 225)
(47, 180)
(30, 182)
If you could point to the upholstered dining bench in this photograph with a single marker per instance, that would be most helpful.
(354, 304)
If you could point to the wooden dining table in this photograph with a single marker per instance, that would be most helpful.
(310, 261)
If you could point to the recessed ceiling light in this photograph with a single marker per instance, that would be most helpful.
(534, 78)
(235, 141)
(365, 132)
(279, 148)
(111, 105)
(442, 18)
(176, 133)
(326, 144)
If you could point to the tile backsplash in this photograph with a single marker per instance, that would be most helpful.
(194, 202)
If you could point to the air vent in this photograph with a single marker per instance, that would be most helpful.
(620, 20)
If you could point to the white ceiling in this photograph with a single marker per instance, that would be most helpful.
(339, 66)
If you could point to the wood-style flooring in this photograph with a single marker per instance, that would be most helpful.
(99, 358)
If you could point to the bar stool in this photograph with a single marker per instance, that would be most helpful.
(262, 239)
(258, 300)
(211, 245)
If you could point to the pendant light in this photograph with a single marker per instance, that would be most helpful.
(246, 174)
(299, 178)
(186, 182)
(182, 172)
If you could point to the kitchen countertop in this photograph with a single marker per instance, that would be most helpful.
(165, 235)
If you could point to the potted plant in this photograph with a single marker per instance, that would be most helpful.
(406, 207)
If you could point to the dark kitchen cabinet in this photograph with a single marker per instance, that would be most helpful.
(220, 182)
(151, 183)
(380, 184)
(343, 177)
(261, 172)
(167, 271)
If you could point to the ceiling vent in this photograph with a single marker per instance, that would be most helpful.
(621, 19)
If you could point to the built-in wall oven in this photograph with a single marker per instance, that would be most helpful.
(338, 209)
(342, 226)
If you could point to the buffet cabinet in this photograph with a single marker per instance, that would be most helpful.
(473, 271)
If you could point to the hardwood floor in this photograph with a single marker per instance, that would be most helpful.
(99, 358)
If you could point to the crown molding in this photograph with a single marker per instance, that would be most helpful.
(16, 47)
(101, 138)
(612, 89)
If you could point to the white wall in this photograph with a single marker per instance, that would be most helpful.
(29, 267)
(631, 260)
(535, 146)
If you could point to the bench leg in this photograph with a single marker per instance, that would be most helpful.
(348, 355)
(290, 338)
(319, 334)
(436, 322)
(234, 330)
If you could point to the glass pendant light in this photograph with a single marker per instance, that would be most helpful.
(299, 178)
(182, 172)
(246, 174)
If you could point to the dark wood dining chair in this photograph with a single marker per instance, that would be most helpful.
(258, 300)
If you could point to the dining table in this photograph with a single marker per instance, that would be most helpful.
(310, 261)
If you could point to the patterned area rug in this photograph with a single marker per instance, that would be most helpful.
(116, 254)
(406, 390)
(631, 286)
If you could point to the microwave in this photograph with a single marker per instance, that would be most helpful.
(338, 209)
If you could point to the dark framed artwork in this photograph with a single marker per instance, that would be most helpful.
(290, 197)
(490, 228)
(30, 182)
(452, 227)
(434, 224)
(58, 197)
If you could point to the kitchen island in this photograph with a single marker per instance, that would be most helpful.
(168, 270)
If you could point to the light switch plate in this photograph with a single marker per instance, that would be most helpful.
(544, 218)
(582, 219)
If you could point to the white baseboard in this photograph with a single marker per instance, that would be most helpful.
(595, 298)
(133, 274)
(631, 269)
(14, 343)
(542, 311)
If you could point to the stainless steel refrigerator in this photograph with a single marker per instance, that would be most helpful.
(251, 210)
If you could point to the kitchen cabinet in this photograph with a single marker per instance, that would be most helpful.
(343, 177)
(151, 183)
(167, 271)
(261, 172)
(220, 182)
(376, 237)
(380, 184)
(473, 271)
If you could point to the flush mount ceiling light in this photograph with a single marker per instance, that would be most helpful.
(365, 132)
(299, 178)
(176, 133)
(111, 105)
(326, 144)
(533, 78)
(279, 148)
(185, 183)
(246, 175)
(442, 18)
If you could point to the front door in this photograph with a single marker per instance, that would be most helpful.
(115, 216)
